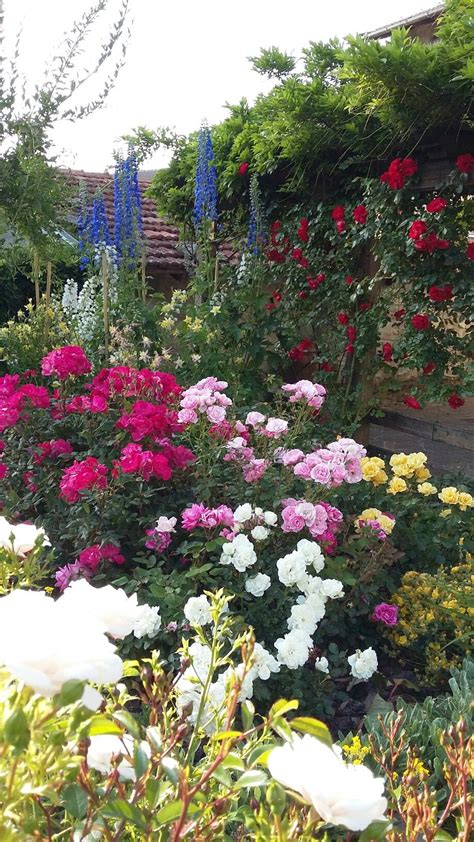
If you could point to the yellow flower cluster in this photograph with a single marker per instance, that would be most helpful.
(426, 489)
(373, 470)
(355, 752)
(194, 324)
(435, 616)
(386, 523)
(167, 323)
(453, 497)
(410, 465)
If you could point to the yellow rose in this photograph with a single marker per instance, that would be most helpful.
(380, 478)
(396, 485)
(449, 495)
(445, 512)
(370, 514)
(386, 523)
(427, 488)
(422, 473)
(465, 500)
(416, 460)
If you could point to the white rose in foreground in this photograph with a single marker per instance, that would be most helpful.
(312, 553)
(239, 552)
(322, 664)
(22, 537)
(118, 613)
(293, 648)
(165, 524)
(259, 533)
(198, 610)
(291, 568)
(243, 513)
(104, 747)
(270, 518)
(258, 584)
(44, 646)
(363, 664)
(340, 793)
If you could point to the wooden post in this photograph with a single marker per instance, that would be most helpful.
(36, 273)
(105, 291)
(49, 275)
(144, 275)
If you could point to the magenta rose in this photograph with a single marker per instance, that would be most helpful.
(386, 613)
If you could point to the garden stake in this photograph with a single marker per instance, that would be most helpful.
(105, 289)
(36, 270)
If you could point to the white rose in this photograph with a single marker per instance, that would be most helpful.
(258, 584)
(165, 524)
(198, 610)
(322, 664)
(259, 533)
(148, 622)
(291, 568)
(22, 537)
(341, 793)
(270, 518)
(118, 613)
(307, 614)
(264, 663)
(333, 588)
(363, 664)
(239, 552)
(104, 747)
(312, 553)
(243, 513)
(293, 648)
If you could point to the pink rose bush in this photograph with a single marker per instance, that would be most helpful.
(69, 361)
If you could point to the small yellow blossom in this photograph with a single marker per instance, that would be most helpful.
(396, 485)
(445, 512)
(465, 500)
(427, 488)
(422, 474)
(167, 323)
(216, 309)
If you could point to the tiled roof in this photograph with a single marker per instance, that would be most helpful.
(161, 237)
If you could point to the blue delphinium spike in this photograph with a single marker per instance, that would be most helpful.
(205, 184)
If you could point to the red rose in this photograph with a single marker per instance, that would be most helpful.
(455, 401)
(277, 297)
(387, 351)
(351, 333)
(313, 283)
(360, 214)
(326, 367)
(302, 232)
(465, 163)
(421, 321)
(343, 318)
(302, 294)
(431, 243)
(436, 205)
(338, 213)
(399, 314)
(411, 402)
(243, 168)
(408, 167)
(416, 229)
(470, 251)
(340, 226)
(349, 280)
(306, 344)
(399, 170)
(349, 349)
(297, 254)
(429, 368)
(270, 306)
(364, 306)
(444, 293)
(320, 278)
(275, 256)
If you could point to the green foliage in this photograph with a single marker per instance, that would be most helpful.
(273, 63)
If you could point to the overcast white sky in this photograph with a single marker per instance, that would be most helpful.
(186, 58)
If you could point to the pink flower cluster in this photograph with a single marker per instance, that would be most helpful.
(51, 450)
(69, 573)
(80, 404)
(159, 538)
(322, 520)
(93, 555)
(204, 397)
(70, 360)
(126, 382)
(238, 450)
(331, 466)
(273, 428)
(304, 390)
(135, 460)
(82, 476)
(14, 397)
(199, 516)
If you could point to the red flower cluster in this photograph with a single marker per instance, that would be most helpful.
(349, 280)
(387, 352)
(314, 283)
(70, 360)
(81, 476)
(338, 214)
(399, 170)
(301, 260)
(14, 397)
(146, 463)
(456, 401)
(436, 205)
(416, 229)
(465, 163)
(429, 368)
(148, 420)
(420, 321)
(298, 353)
(438, 294)
(343, 318)
(83, 403)
(280, 245)
(431, 243)
(243, 168)
(360, 214)
(93, 555)
(411, 402)
(351, 333)
(129, 382)
(51, 450)
(302, 232)
(399, 314)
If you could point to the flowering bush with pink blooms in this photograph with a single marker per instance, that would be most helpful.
(170, 492)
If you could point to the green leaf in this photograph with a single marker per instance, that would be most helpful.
(248, 712)
(308, 725)
(226, 735)
(375, 832)
(251, 778)
(129, 722)
(283, 706)
(379, 706)
(172, 811)
(120, 809)
(233, 761)
(71, 692)
(103, 725)
(16, 730)
(222, 776)
(74, 801)
(140, 761)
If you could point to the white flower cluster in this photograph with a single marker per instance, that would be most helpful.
(363, 664)
(103, 748)
(341, 793)
(71, 635)
(21, 538)
(239, 552)
(258, 521)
